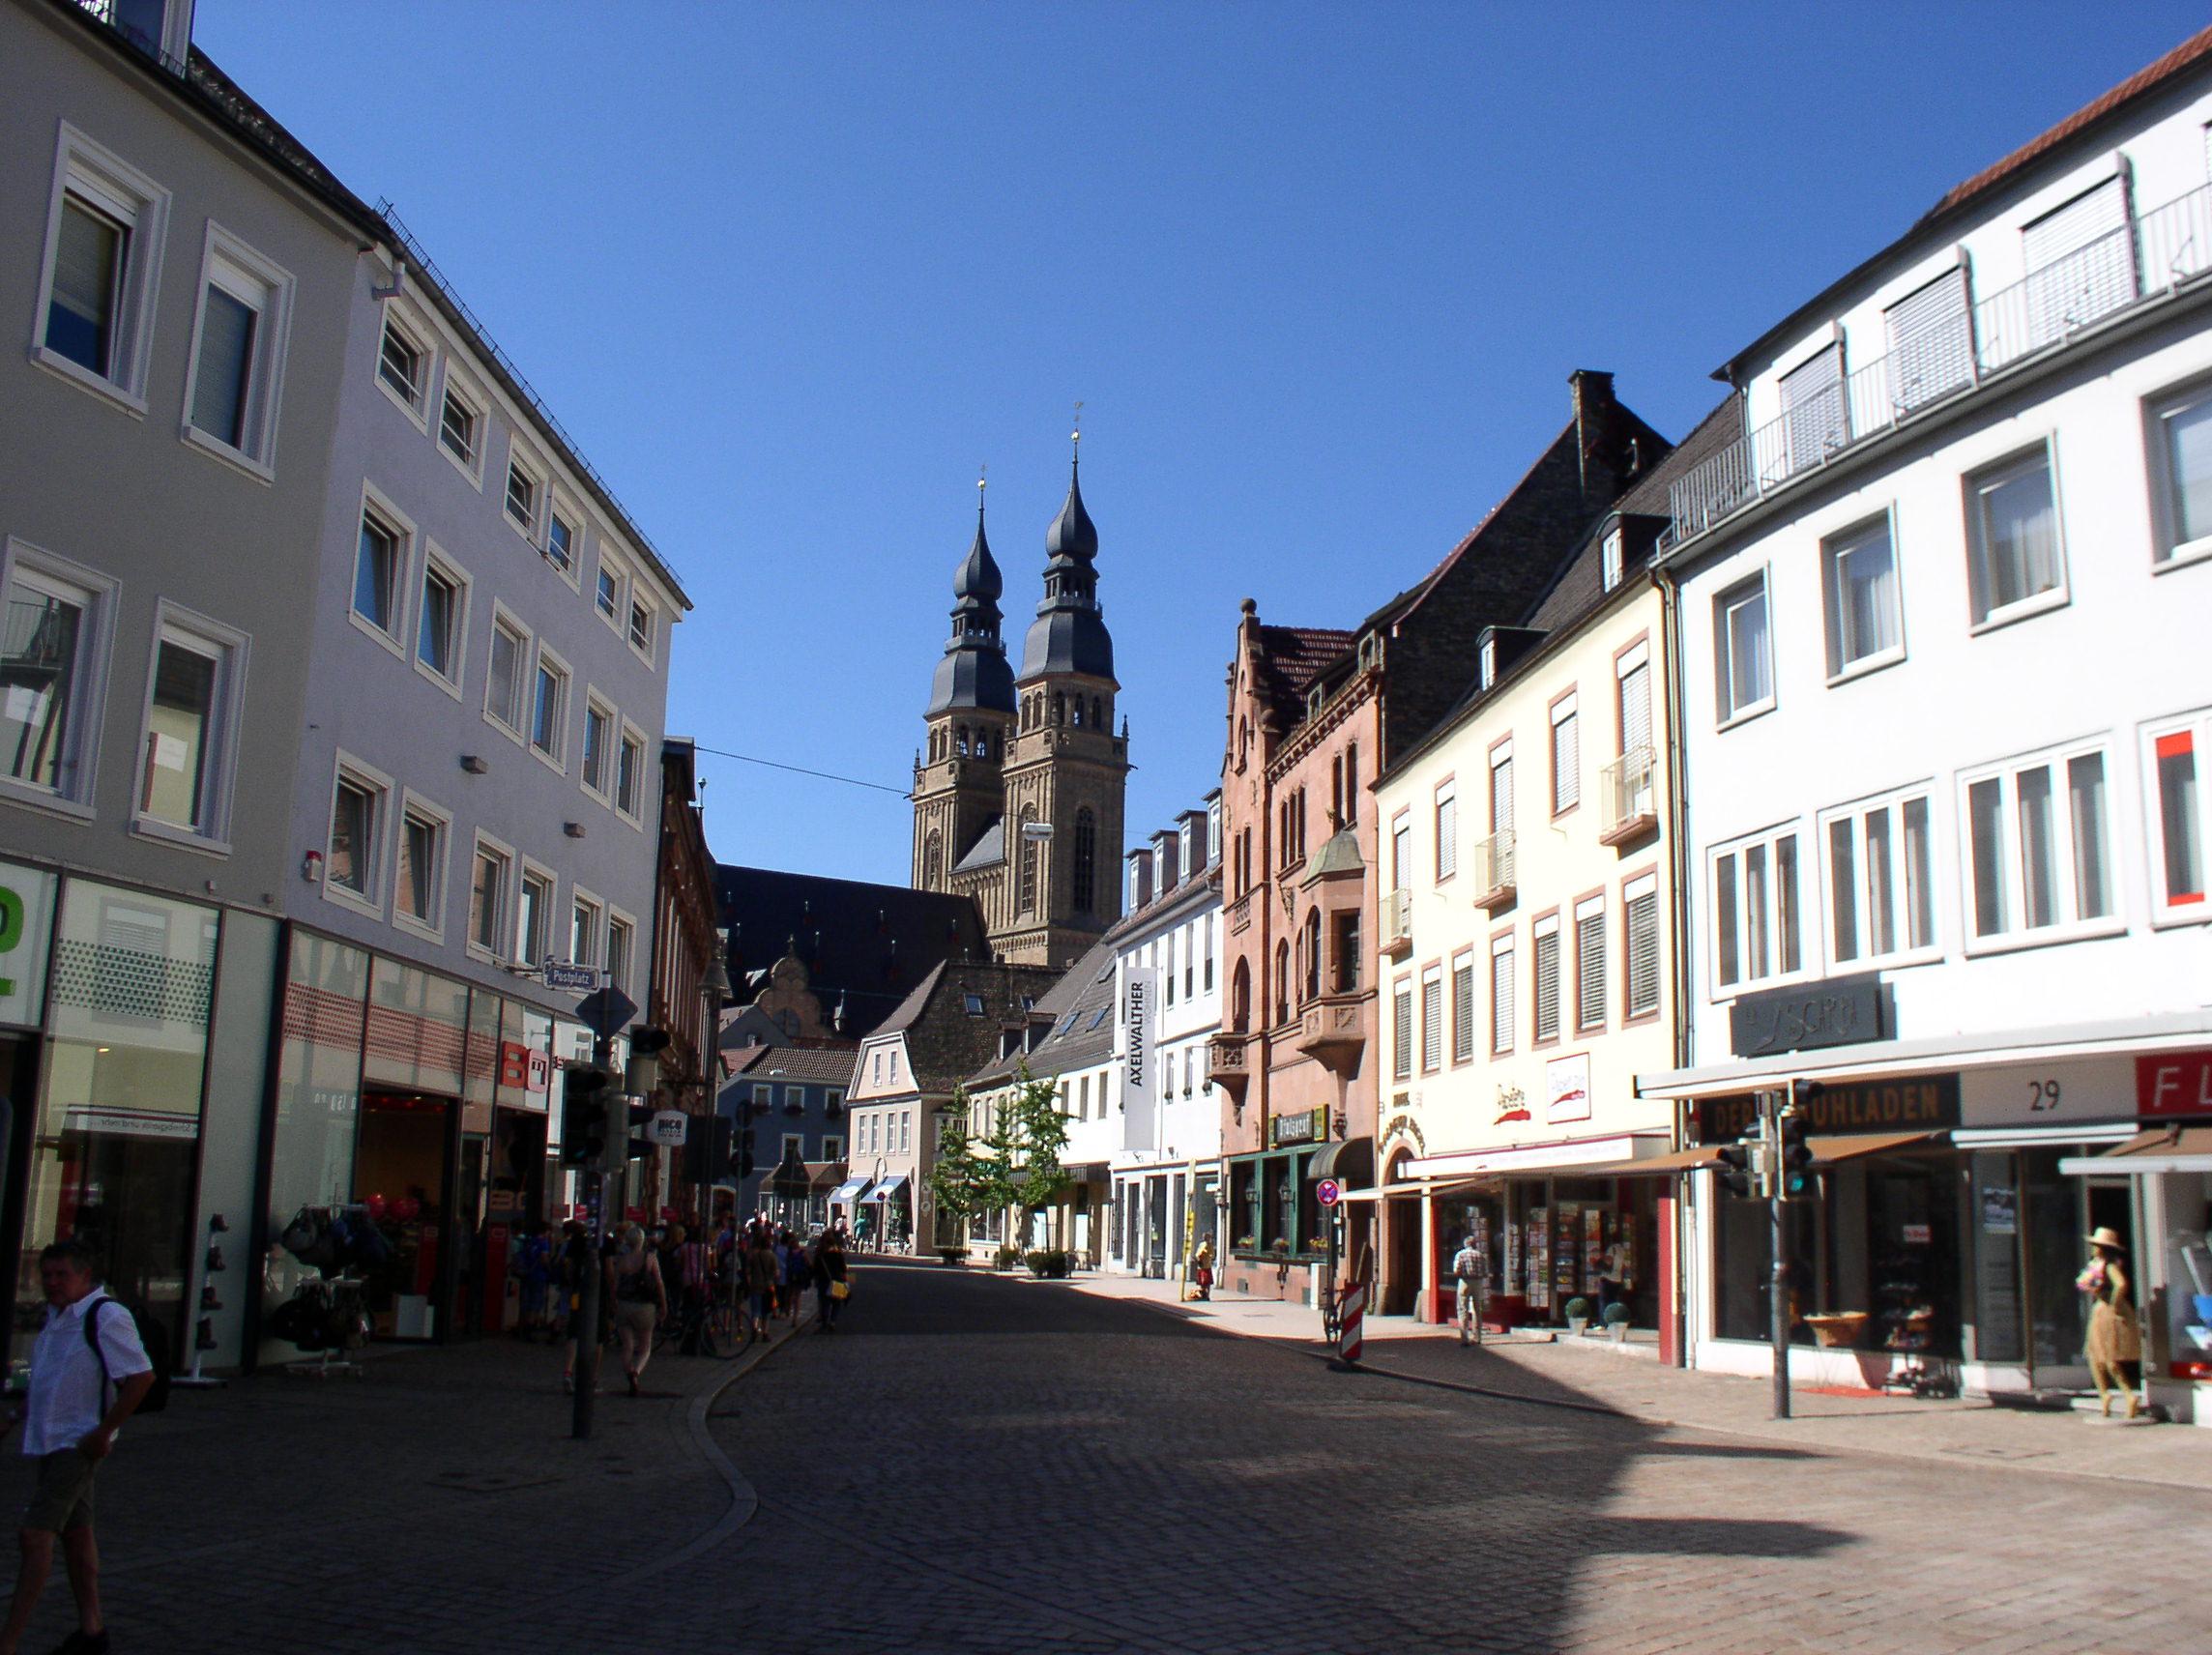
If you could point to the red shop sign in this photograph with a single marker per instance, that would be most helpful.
(2173, 1084)
(521, 1067)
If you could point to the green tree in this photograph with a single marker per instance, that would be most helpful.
(954, 1176)
(1039, 1133)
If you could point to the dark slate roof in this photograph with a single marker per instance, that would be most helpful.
(823, 1066)
(1073, 1003)
(945, 1042)
(974, 672)
(1070, 634)
(1291, 658)
(987, 851)
(863, 944)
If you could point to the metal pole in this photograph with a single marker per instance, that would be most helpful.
(1778, 1286)
(587, 1315)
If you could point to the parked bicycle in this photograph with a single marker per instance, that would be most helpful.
(710, 1326)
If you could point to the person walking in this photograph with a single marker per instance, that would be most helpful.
(760, 1279)
(1470, 1271)
(641, 1299)
(831, 1288)
(88, 1373)
(1202, 1271)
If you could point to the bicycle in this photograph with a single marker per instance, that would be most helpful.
(710, 1326)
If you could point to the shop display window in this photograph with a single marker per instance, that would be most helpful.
(2188, 1274)
(118, 1127)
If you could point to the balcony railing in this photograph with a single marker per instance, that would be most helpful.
(1494, 869)
(1397, 939)
(2149, 257)
(1628, 802)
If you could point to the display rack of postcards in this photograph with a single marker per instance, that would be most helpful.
(1539, 1245)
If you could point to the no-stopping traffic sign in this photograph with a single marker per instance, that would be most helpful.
(1328, 1192)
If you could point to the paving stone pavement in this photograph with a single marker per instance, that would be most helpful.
(975, 1464)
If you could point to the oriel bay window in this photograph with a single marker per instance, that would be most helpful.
(1882, 896)
(2038, 847)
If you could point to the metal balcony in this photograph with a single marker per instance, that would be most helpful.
(1628, 799)
(2150, 257)
(1494, 886)
(1397, 938)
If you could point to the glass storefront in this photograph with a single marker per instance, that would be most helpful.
(1547, 1241)
(113, 1152)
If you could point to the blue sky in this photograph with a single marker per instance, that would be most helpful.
(1317, 272)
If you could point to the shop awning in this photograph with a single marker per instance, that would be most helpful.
(2039, 1137)
(1088, 1172)
(889, 1189)
(1349, 1161)
(1569, 1155)
(1385, 1192)
(2166, 1150)
(1672, 1162)
(849, 1191)
(1851, 1146)
(823, 1174)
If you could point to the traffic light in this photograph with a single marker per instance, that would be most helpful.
(640, 1124)
(1795, 1157)
(711, 1156)
(643, 1072)
(584, 1093)
(1738, 1169)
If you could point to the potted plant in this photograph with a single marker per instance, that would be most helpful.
(1007, 1258)
(954, 1255)
(1246, 1243)
(1578, 1314)
(1617, 1322)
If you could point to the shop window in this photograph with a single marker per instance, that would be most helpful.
(1881, 897)
(1756, 912)
(2038, 848)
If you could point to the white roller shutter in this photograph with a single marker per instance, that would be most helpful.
(1930, 343)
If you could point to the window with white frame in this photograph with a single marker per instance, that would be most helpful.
(1632, 686)
(1566, 757)
(352, 870)
(2016, 556)
(54, 631)
(525, 495)
(442, 625)
(1589, 963)
(1402, 1031)
(1501, 788)
(606, 591)
(1859, 574)
(1447, 832)
(1544, 953)
(1756, 924)
(1610, 556)
(630, 772)
(1502, 995)
(2038, 849)
(621, 935)
(191, 718)
(380, 566)
(403, 361)
(585, 918)
(489, 878)
(534, 915)
(643, 627)
(2178, 817)
(238, 344)
(503, 680)
(419, 892)
(598, 745)
(461, 422)
(1640, 903)
(562, 541)
(549, 706)
(105, 229)
(1743, 649)
(2180, 431)
(1881, 880)
(1463, 1007)
(1432, 1018)
(1401, 852)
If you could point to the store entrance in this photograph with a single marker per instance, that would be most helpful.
(402, 1170)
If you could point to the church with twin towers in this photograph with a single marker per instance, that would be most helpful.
(1017, 796)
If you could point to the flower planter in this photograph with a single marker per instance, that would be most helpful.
(1576, 1324)
(1839, 1331)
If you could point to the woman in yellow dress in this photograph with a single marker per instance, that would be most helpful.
(2114, 1344)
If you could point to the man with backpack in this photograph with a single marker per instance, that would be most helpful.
(88, 1373)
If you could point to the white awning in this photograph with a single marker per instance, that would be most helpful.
(2162, 1149)
(889, 1190)
(849, 1191)
(1565, 1154)
(2039, 1137)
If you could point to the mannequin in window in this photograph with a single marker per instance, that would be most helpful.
(2114, 1344)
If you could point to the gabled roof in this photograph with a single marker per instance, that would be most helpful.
(945, 1040)
(823, 1066)
(1078, 1038)
(864, 946)
(1291, 658)
(987, 851)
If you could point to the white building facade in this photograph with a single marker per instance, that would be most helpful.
(1941, 694)
(1166, 1149)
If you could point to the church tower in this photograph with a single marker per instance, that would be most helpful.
(958, 794)
(1065, 769)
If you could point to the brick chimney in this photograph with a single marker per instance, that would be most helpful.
(1594, 411)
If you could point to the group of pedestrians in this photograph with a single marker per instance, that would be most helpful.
(779, 1268)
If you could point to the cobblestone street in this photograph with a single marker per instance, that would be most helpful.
(981, 1463)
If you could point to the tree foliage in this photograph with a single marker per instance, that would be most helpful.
(953, 1175)
(1038, 1131)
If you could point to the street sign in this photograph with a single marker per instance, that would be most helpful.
(561, 974)
(1328, 1192)
(668, 1128)
(606, 1010)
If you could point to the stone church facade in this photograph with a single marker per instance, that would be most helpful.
(1017, 796)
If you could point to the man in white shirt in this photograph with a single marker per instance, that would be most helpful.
(79, 1398)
